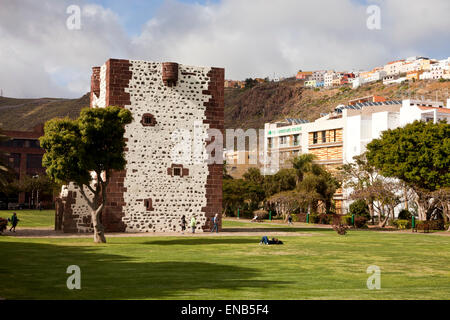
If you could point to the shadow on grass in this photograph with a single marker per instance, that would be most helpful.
(203, 241)
(275, 229)
(38, 271)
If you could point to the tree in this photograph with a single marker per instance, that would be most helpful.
(238, 193)
(360, 176)
(254, 175)
(419, 155)
(86, 151)
(302, 164)
(37, 186)
(5, 171)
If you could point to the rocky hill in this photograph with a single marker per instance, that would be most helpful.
(244, 108)
(251, 108)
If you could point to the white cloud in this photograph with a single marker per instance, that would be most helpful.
(39, 56)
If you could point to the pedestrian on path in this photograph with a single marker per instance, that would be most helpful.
(289, 219)
(14, 220)
(183, 223)
(193, 224)
(216, 223)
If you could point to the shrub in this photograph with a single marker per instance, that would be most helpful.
(447, 225)
(347, 219)
(340, 228)
(314, 218)
(430, 225)
(299, 217)
(404, 215)
(359, 208)
(360, 222)
(3, 224)
(402, 224)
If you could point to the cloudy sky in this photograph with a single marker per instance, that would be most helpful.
(41, 57)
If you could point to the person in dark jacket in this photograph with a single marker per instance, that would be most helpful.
(14, 220)
(216, 223)
(183, 223)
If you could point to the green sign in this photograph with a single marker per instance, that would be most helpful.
(286, 130)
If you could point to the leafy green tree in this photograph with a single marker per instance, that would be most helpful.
(86, 151)
(283, 180)
(254, 175)
(419, 155)
(303, 164)
(360, 208)
(238, 193)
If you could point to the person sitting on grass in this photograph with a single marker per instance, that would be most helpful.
(14, 220)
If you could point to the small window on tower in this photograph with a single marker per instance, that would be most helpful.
(148, 120)
(177, 171)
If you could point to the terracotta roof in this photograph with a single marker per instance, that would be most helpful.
(441, 110)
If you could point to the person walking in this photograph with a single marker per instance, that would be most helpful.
(289, 219)
(183, 223)
(14, 220)
(193, 224)
(216, 223)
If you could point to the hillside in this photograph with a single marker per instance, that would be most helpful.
(24, 114)
(244, 108)
(251, 108)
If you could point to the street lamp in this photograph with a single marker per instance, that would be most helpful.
(37, 192)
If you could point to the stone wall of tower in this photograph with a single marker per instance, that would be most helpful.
(174, 107)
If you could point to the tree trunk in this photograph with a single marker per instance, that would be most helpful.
(99, 230)
(371, 211)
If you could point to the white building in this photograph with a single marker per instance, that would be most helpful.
(393, 68)
(337, 137)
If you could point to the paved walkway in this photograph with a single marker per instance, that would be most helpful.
(230, 231)
(50, 233)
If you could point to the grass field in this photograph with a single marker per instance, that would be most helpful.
(321, 265)
(31, 218)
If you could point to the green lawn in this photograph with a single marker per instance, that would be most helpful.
(322, 265)
(31, 218)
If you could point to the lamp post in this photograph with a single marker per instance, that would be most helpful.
(37, 192)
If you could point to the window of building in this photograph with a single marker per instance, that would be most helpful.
(269, 142)
(14, 160)
(283, 140)
(34, 161)
(296, 139)
(176, 171)
(315, 138)
(148, 203)
(334, 135)
(148, 120)
(324, 136)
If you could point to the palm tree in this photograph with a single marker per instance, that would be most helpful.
(303, 164)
